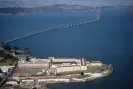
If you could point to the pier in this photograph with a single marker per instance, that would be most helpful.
(74, 24)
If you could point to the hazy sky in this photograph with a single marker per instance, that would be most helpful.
(30, 3)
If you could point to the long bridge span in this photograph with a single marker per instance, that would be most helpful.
(76, 23)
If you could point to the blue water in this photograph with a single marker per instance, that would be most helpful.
(109, 40)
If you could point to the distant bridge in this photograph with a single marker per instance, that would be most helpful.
(77, 23)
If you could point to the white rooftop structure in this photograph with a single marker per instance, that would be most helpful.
(33, 63)
(5, 68)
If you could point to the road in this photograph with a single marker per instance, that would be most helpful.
(3, 81)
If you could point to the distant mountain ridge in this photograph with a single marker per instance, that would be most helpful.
(50, 8)
(56, 7)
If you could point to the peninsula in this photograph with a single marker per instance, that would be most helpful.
(31, 72)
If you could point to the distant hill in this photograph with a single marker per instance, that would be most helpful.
(56, 7)
(52, 8)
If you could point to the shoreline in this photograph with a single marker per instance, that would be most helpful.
(45, 84)
(57, 10)
(76, 80)
(28, 13)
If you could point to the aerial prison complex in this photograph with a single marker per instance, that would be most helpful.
(52, 66)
